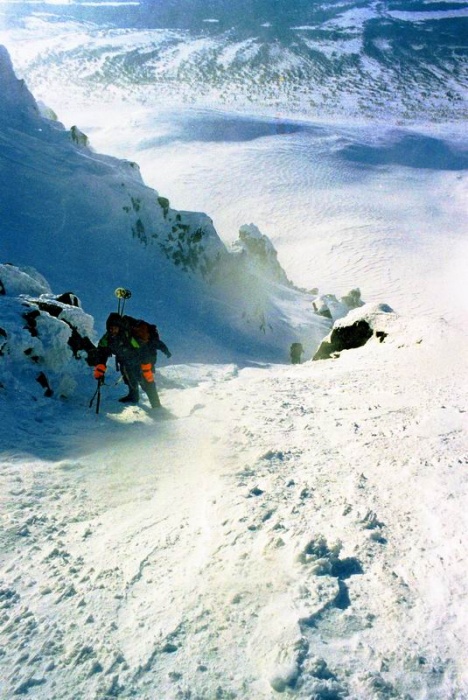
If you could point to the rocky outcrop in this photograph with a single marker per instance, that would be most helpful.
(78, 137)
(44, 338)
(259, 253)
(328, 306)
(353, 299)
(354, 330)
(189, 240)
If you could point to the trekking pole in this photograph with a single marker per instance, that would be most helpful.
(98, 402)
(123, 302)
(122, 295)
(97, 394)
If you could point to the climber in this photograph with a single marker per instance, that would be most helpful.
(295, 353)
(134, 344)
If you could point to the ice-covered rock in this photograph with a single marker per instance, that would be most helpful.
(355, 329)
(259, 253)
(44, 340)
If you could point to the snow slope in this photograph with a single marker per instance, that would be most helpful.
(279, 531)
(72, 208)
(293, 529)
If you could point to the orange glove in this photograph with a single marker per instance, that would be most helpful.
(147, 371)
(99, 371)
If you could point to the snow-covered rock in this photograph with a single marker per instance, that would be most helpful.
(356, 328)
(259, 254)
(44, 342)
(353, 299)
(24, 280)
(329, 306)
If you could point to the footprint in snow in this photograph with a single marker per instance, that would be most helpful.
(196, 407)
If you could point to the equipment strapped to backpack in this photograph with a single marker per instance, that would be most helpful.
(122, 295)
(141, 330)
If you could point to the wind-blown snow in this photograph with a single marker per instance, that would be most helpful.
(280, 530)
(297, 528)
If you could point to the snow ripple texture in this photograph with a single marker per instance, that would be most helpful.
(293, 530)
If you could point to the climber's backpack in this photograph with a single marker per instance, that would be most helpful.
(141, 330)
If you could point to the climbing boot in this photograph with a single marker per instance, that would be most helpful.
(130, 398)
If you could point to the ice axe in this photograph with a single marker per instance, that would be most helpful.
(122, 295)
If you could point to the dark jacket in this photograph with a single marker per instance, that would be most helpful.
(127, 349)
(148, 351)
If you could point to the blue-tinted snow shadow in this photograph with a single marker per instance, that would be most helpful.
(409, 150)
(74, 430)
(212, 127)
(237, 129)
(390, 147)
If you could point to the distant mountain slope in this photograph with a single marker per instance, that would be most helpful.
(89, 224)
(408, 60)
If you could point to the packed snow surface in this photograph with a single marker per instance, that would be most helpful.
(280, 528)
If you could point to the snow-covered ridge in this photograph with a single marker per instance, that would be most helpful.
(62, 201)
(187, 239)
